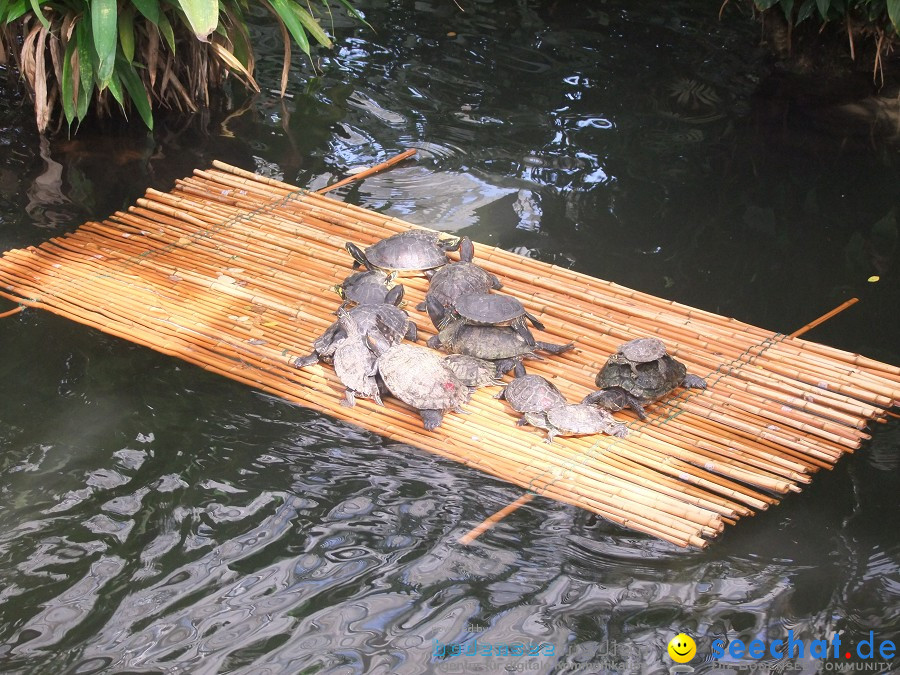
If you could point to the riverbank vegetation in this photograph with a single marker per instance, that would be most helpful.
(82, 56)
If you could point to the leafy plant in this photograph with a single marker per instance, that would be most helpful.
(75, 54)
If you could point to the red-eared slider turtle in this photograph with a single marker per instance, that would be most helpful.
(624, 382)
(369, 288)
(531, 394)
(501, 344)
(419, 377)
(640, 350)
(472, 371)
(494, 309)
(396, 321)
(354, 362)
(410, 251)
(456, 279)
(576, 420)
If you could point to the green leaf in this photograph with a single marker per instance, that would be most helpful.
(103, 22)
(85, 69)
(295, 28)
(16, 10)
(893, 8)
(166, 29)
(149, 8)
(823, 6)
(68, 83)
(806, 9)
(202, 15)
(136, 90)
(115, 88)
(352, 11)
(126, 32)
(36, 7)
(787, 6)
(312, 26)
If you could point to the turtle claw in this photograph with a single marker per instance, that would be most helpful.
(522, 330)
(534, 322)
(693, 382)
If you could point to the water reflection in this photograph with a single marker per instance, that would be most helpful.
(158, 519)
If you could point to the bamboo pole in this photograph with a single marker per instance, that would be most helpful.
(231, 271)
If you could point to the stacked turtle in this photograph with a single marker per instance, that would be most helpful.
(486, 334)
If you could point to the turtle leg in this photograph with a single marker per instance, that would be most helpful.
(521, 422)
(377, 396)
(551, 434)
(420, 307)
(501, 395)
(434, 342)
(495, 282)
(693, 382)
(522, 329)
(308, 360)
(411, 331)
(431, 418)
(429, 273)
(554, 348)
(534, 322)
(503, 366)
(519, 370)
(349, 399)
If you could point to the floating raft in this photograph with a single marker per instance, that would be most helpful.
(231, 271)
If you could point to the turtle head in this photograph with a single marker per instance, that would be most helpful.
(394, 296)
(449, 242)
(436, 311)
(359, 258)
(466, 250)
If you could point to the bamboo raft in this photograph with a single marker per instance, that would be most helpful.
(231, 271)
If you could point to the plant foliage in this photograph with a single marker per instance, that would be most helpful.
(79, 54)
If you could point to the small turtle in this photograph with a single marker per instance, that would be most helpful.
(396, 321)
(456, 279)
(576, 420)
(493, 309)
(640, 350)
(354, 362)
(418, 377)
(625, 383)
(369, 288)
(474, 372)
(501, 344)
(410, 251)
(531, 394)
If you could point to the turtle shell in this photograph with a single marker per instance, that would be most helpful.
(420, 378)
(647, 381)
(489, 308)
(366, 288)
(458, 279)
(365, 316)
(643, 350)
(472, 371)
(533, 393)
(578, 419)
(408, 251)
(485, 342)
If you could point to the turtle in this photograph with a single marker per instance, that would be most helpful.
(494, 309)
(576, 419)
(369, 288)
(640, 350)
(625, 383)
(474, 372)
(418, 377)
(456, 279)
(396, 322)
(354, 362)
(531, 394)
(410, 251)
(501, 344)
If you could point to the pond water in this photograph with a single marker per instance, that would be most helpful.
(155, 518)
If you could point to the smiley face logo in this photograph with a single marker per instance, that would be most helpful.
(682, 648)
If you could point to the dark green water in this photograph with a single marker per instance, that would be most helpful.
(155, 518)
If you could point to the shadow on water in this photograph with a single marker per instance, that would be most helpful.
(157, 518)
